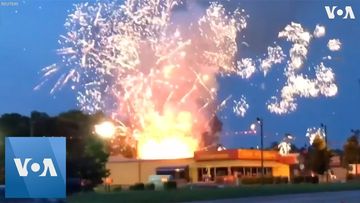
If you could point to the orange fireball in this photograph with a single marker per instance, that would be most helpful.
(167, 136)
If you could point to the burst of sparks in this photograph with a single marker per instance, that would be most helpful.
(319, 31)
(284, 148)
(131, 61)
(240, 108)
(327, 58)
(334, 45)
(275, 55)
(246, 68)
(312, 133)
(285, 145)
(300, 85)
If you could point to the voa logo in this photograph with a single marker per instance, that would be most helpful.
(35, 167)
(345, 13)
(22, 167)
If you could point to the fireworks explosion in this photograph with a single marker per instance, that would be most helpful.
(285, 145)
(312, 133)
(157, 78)
(240, 107)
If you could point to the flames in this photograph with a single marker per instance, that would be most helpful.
(167, 136)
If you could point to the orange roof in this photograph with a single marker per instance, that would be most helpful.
(244, 154)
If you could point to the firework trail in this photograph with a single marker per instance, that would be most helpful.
(158, 79)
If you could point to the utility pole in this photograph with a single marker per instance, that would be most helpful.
(324, 127)
(261, 123)
(356, 133)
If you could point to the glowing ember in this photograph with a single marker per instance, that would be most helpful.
(105, 129)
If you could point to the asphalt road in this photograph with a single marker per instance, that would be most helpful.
(323, 197)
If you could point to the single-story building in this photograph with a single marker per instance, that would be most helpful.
(204, 166)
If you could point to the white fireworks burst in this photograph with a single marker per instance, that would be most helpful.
(284, 148)
(300, 85)
(285, 145)
(246, 68)
(334, 45)
(312, 133)
(240, 108)
(275, 55)
(319, 31)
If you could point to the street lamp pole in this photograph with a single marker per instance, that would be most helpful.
(356, 133)
(326, 143)
(261, 123)
(325, 132)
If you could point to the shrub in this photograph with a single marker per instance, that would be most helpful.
(278, 180)
(117, 188)
(284, 180)
(250, 181)
(311, 179)
(150, 186)
(352, 177)
(349, 176)
(298, 179)
(169, 185)
(315, 180)
(137, 186)
(308, 179)
(268, 180)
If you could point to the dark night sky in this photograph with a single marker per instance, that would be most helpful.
(28, 41)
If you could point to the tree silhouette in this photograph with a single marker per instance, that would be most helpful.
(319, 156)
(352, 149)
(274, 146)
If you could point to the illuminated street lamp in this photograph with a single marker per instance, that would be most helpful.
(105, 129)
(261, 123)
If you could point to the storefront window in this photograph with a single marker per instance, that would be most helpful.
(239, 170)
(247, 171)
(268, 171)
(221, 171)
(202, 173)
